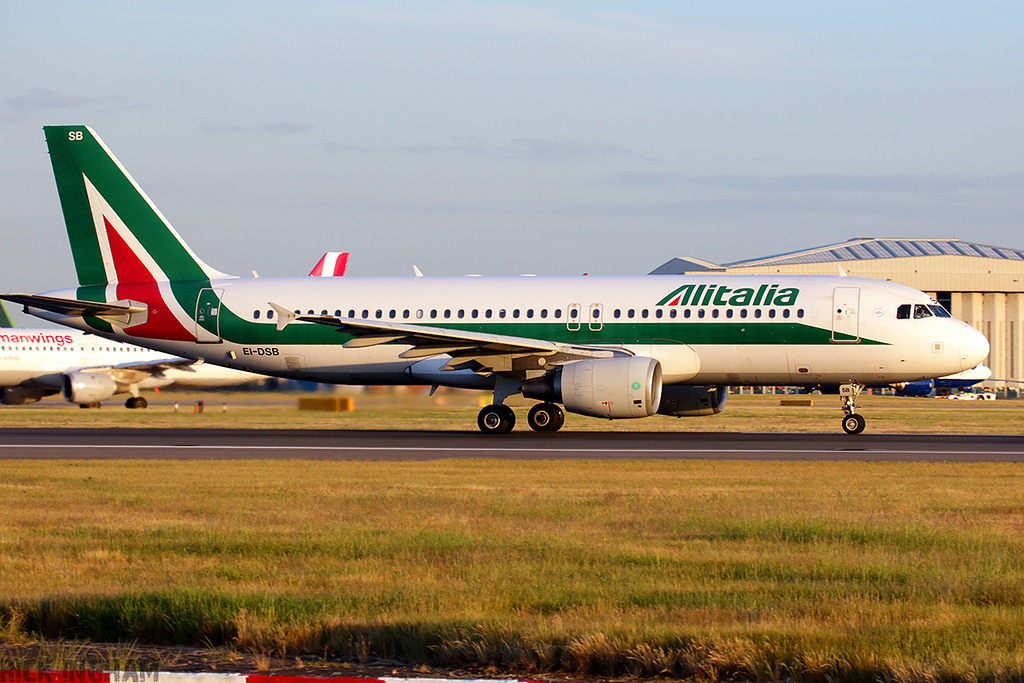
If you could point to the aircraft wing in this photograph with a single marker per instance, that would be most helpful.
(120, 312)
(477, 351)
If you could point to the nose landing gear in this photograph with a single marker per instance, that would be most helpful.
(853, 422)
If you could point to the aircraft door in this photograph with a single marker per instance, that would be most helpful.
(596, 321)
(845, 322)
(208, 316)
(572, 317)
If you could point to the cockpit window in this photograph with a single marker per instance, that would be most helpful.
(921, 311)
(940, 312)
(903, 312)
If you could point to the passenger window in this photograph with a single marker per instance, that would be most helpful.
(714, 313)
(672, 314)
(475, 313)
(700, 313)
(631, 313)
(392, 313)
(405, 314)
(501, 313)
(757, 312)
(323, 312)
(728, 313)
(515, 313)
(270, 314)
(529, 312)
(487, 313)
(380, 314)
(255, 315)
(743, 313)
(433, 313)
(351, 312)
(462, 313)
(543, 312)
(643, 313)
(921, 311)
(658, 313)
(447, 313)
(771, 313)
(903, 312)
(558, 312)
(799, 312)
(686, 313)
(785, 312)
(366, 313)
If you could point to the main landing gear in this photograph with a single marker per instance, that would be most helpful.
(136, 402)
(499, 419)
(853, 422)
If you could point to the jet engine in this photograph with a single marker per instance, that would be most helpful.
(686, 401)
(604, 387)
(88, 387)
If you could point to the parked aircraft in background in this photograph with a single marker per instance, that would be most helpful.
(957, 382)
(331, 264)
(88, 369)
(610, 347)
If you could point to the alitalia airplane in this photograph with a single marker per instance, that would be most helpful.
(608, 347)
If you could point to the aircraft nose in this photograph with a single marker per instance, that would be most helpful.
(974, 347)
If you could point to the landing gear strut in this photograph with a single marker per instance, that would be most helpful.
(853, 422)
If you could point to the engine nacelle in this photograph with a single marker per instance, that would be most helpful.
(88, 387)
(686, 401)
(604, 387)
(18, 396)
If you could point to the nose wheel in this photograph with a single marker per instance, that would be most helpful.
(853, 422)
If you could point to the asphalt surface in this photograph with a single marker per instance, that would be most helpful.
(227, 444)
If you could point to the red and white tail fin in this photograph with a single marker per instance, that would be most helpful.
(331, 264)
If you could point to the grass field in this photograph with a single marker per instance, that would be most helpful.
(457, 411)
(715, 571)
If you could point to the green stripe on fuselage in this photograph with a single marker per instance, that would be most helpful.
(239, 331)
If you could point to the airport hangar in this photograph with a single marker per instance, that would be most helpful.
(979, 284)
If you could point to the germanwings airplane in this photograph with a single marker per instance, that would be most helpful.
(87, 369)
(609, 347)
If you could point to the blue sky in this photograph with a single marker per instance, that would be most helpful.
(506, 138)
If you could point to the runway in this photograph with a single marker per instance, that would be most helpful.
(227, 444)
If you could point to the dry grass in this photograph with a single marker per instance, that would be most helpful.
(724, 570)
(454, 410)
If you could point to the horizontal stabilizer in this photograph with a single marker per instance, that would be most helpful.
(119, 312)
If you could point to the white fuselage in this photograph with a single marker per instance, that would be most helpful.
(742, 329)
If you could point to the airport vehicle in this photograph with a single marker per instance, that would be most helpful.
(88, 369)
(973, 396)
(609, 347)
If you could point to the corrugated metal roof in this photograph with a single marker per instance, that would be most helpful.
(862, 249)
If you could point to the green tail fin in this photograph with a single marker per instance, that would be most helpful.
(116, 233)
